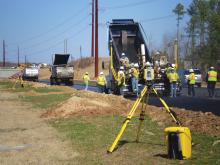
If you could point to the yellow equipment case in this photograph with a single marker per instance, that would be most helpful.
(178, 141)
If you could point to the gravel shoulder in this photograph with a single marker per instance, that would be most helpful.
(25, 138)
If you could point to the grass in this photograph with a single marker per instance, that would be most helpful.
(91, 137)
(46, 101)
(44, 98)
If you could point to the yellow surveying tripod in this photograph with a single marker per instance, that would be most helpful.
(144, 98)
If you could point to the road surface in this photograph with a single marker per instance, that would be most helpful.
(201, 102)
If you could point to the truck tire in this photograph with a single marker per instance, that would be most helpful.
(52, 81)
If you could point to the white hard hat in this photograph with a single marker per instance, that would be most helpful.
(157, 53)
(191, 70)
(148, 63)
(121, 68)
(136, 65)
(123, 54)
(86, 73)
(173, 65)
(132, 64)
(212, 67)
(101, 73)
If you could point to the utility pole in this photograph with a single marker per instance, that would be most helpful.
(25, 60)
(175, 53)
(65, 46)
(18, 56)
(52, 59)
(96, 40)
(92, 46)
(3, 64)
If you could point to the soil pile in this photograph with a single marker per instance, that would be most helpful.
(91, 103)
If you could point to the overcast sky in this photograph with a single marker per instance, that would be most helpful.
(39, 27)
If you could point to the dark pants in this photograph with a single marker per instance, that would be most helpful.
(101, 89)
(191, 89)
(211, 88)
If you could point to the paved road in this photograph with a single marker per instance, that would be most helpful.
(199, 103)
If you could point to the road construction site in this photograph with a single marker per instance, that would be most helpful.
(73, 126)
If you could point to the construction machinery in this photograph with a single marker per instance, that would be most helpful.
(126, 39)
(60, 71)
(127, 46)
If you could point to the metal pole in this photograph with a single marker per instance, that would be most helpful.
(3, 53)
(92, 46)
(96, 40)
(18, 56)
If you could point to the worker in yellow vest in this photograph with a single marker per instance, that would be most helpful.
(86, 80)
(134, 78)
(191, 82)
(173, 78)
(211, 79)
(121, 80)
(101, 82)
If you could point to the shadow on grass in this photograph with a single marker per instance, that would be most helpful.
(161, 155)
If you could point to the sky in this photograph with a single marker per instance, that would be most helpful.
(39, 27)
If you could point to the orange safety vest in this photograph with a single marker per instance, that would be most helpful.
(212, 75)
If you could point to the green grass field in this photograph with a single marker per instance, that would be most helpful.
(91, 137)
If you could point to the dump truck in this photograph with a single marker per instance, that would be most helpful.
(30, 73)
(60, 71)
(126, 37)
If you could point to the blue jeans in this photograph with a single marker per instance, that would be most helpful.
(86, 86)
(134, 83)
(101, 89)
(173, 89)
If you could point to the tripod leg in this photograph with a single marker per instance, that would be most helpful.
(167, 108)
(142, 116)
(127, 120)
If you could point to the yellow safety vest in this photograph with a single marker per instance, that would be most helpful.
(135, 73)
(152, 74)
(86, 78)
(212, 75)
(121, 78)
(192, 79)
(101, 80)
(173, 77)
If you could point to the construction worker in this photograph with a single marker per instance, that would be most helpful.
(134, 78)
(211, 80)
(148, 73)
(173, 78)
(191, 82)
(86, 80)
(121, 80)
(124, 60)
(101, 82)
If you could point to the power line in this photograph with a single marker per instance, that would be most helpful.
(60, 42)
(54, 27)
(58, 34)
(129, 4)
(156, 18)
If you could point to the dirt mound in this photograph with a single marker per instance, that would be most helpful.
(91, 103)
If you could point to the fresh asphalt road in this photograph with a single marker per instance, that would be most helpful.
(201, 102)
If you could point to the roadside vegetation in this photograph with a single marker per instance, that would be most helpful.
(91, 136)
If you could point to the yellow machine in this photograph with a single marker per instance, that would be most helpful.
(178, 141)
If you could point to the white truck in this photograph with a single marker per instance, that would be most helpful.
(30, 73)
(60, 71)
